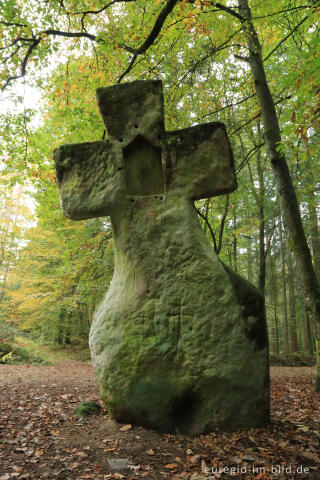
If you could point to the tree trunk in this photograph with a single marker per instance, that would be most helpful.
(314, 230)
(307, 341)
(262, 247)
(274, 291)
(259, 198)
(249, 259)
(288, 200)
(4, 281)
(284, 292)
(234, 242)
(292, 307)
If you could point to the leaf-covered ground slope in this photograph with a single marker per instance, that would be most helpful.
(41, 439)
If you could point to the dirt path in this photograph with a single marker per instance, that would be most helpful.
(40, 438)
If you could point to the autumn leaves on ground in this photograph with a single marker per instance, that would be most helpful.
(41, 439)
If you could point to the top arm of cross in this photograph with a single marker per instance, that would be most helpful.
(140, 158)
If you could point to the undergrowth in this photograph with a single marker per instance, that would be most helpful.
(12, 353)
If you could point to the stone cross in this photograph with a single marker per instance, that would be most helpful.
(141, 159)
(179, 341)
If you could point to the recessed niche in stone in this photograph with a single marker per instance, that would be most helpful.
(143, 168)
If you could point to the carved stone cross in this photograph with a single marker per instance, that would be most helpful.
(179, 341)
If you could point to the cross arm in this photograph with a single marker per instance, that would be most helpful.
(200, 161)
(89, 178)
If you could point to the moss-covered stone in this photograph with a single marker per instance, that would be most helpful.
(86, 409)
(179, 341)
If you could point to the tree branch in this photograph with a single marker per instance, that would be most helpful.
(213, 50)
(167, 9)
(286, 37)
(228, 10)
(35, 42)
(16, 40)
(24, 64)
(12, 24)
(11, 55)
(70, 34)
(257, 115)
(96, 12)
(222, 224)
(249, 155)
(240, 57)
(205, 218)
(287, 97)
(283, 11)
(164, 56)
(129, 68)
(230, 105)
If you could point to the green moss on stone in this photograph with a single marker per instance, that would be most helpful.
(86, 409)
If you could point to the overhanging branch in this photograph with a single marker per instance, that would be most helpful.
(35, 42)
(70, 34)
(24, 64)
(167, 9)
(13, 24)
(286, 37)
(96, 12)
(205, 218)
(228, 10)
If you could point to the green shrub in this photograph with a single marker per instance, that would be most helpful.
(7, 331)
(10, 353)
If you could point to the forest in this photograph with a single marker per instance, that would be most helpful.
(53, 271)
(253, 65)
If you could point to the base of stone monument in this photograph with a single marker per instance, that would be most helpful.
(184, 347)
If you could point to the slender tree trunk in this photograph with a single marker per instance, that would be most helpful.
(284, 292)
(235, 252)
(307, 340)
(288, 200)
(315, 233)
(249, 258)
(4, 281)
(310, 183)
(259, 197)
(274, 292)
(262, 247)
(292, 307)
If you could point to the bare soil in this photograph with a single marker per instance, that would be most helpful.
(41, 439)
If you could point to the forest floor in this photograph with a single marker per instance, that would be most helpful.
(40, 439)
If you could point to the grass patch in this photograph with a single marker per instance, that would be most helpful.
(55, 353)
(80, 353)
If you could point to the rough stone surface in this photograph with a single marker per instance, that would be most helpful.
(118, 464)
(179, 341)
